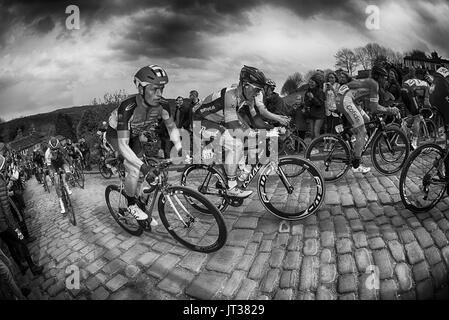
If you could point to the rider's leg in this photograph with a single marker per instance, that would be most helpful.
(234, 153)
(131, 184)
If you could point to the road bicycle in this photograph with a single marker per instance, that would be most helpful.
(77, 173)
(289, 187)
(387, 144)
(425, 177)
(290, 143)
(203, 231)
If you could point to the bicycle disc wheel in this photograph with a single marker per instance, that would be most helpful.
(331, 155)
(197, 231)
(68, 205)
(208, 181)
(423, 183)
(104, 171)
(390, 150)
(118, 207)
(291, 196)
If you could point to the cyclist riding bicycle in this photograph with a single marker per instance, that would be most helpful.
(56, 158)
(349, 98)
(132, 121)
(219, 113)
(73, 152)
(412, 91)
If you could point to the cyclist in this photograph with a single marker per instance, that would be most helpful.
(349, 97)
(220, 112)
(38, 160)
(85, 151)
(56, 159)
(73, 152)
(130, 123)
(412, 90)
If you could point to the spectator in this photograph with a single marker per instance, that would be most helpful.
(332, 117)
(393, 84)
(166, 143)
(344, 78)
(7, 281)
(10, 234)
(314, 102)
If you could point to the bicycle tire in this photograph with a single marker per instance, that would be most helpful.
(104, 171)
(193, 170)
(338, 145)
(315, 176)
(80, 176)
(213, 213)
(406, 183)
(46, 186)
(289, 146)
(107, 193)
(68, 205)
(393, 133)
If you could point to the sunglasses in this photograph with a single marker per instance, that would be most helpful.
(254, 87)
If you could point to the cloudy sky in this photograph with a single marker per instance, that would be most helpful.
(202, 44)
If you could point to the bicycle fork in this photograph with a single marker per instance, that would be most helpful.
(191, 218)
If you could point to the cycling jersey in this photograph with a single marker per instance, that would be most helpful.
(350, 96)
(71, 151)
(55, 160)
(218, 111)
(439, 92)
(413, 89)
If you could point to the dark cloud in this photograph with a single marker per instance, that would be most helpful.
(182, 27)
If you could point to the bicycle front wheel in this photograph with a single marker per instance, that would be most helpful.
(390, 150)
(79, 176)
(117, 203)
(198, 231)
(68, 205)
(331, 155)
(423, 180)
(291, 189)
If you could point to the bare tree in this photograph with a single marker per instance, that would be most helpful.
(346, 60)
(292, 84)
(361, 54)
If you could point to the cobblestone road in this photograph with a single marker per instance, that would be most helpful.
(361, 234)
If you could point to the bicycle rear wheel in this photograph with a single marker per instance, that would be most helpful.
(427, 132)
(198, 231)
(79, 176)
(423, 181)
(117, 203)
(334, 161)
(293, 145)
(390, 150)
(104, 170)
(291, 189)
(68, 205)
(207, 180)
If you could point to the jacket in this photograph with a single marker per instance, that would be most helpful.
(6, 219)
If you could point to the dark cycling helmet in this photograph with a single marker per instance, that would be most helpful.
(379, 71)
(53, 144)
(69, 142)
(271, 83)
(252, 76)
(150, 75)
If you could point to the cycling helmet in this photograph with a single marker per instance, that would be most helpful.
(271, 83)
(252, 76)
(379, 71)
(69, 142)
(53, 144)
(150, 75)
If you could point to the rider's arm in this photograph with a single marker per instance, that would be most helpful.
(77, 150)
(123, 134)
(259, 104)
(373, 98)
(172, 129)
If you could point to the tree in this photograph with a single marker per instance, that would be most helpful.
(346, 60)
(417, 54)
(292, 84)
(64, 126)
(89, 122)
(362, 56)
